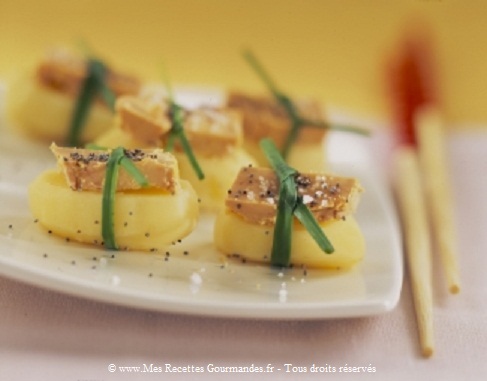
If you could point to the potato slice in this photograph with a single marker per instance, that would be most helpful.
(115, 137)
(219, 174)
(234, 236)
(45, 114)
(144, 219)
(304, 157)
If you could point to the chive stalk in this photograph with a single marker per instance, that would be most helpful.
(133, 171)
(177, 132)
(304, 215)
(282, 238)
(290, 205)
(126, 163)
(117, 158)
(94, 84)
(108, 200)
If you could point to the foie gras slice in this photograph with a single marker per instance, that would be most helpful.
(144, 119)
(64, 72)
(210, 131)
(85, 169)
(264, 117)
(254, 195)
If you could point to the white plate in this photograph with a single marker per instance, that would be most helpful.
(198, 283)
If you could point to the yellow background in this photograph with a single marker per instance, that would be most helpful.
(335, 50)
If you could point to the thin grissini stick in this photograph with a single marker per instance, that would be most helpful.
(429, 130)
(417, 239)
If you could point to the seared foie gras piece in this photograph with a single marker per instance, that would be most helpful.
(65, 72)
(145, 120)
(213, 132)
(210, 131)
(245, 228)
(264, 117)
(254, 195)
(85, 169)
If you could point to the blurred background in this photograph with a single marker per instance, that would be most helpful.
(336, 50)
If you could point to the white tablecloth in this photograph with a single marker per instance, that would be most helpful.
(46, 335)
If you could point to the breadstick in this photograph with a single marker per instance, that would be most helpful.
(417, 239)
(433, 165)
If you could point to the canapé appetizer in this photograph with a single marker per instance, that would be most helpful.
(214, 135)
(142, 205)
(289, 218)
(297, 127)
(43, 103)
(263, 117)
